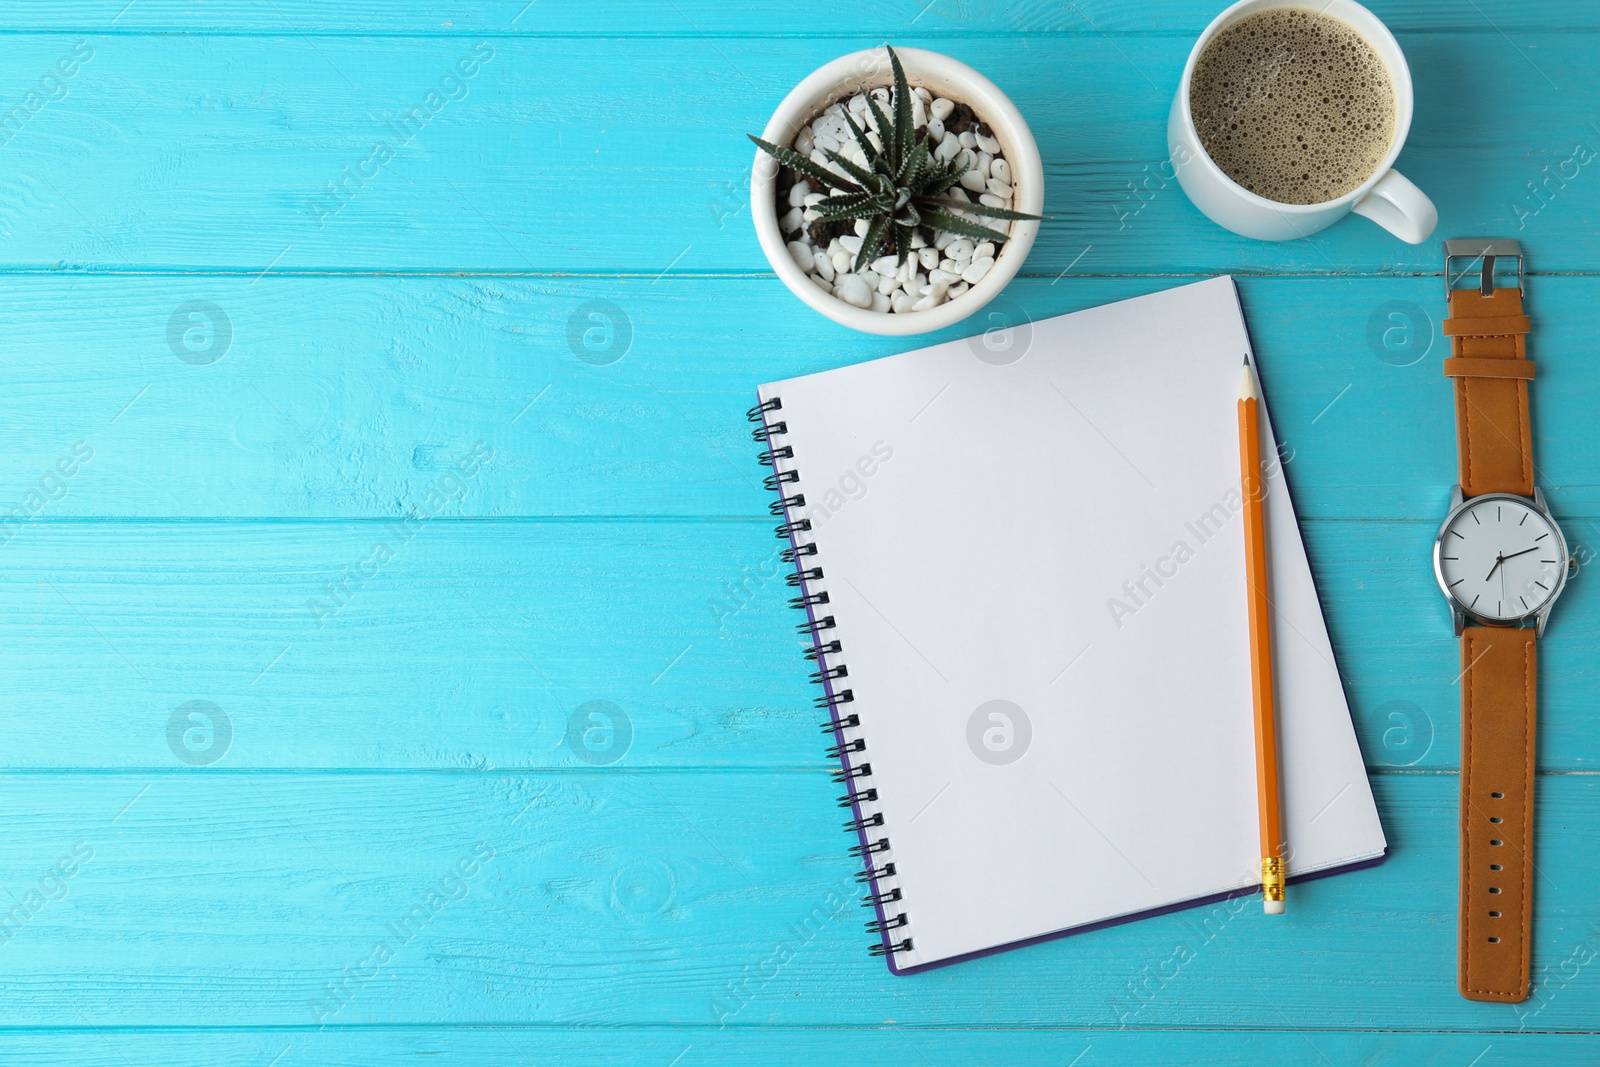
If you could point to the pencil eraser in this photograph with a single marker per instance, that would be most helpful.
(1272, 907)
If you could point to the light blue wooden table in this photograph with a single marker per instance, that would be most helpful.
(397, 824)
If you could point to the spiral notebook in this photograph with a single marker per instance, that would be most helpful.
(1020, 558)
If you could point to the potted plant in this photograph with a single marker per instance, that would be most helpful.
(896, 192)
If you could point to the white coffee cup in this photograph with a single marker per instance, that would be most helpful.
(1387, 197)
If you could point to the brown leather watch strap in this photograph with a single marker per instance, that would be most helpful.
(1470, 367)
(1493, 437)
(1497, 776)
(1487, 327)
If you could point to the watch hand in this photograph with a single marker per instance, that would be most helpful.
(1497, 561)
(1501, 559)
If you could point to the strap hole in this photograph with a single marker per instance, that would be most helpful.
(1494, 915)
(1498, 796)
(1494, 889)
(1494, 941)
(1495, 819)
(1497, 843)
(1495, 867)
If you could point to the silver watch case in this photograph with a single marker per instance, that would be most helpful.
(1460, 616)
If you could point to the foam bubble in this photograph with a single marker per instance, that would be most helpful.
(1294, 105)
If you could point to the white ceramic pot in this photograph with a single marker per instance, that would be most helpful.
(942, 76)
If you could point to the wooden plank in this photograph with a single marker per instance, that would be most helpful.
(502, 1046)
(616, 18)
(187, 152)
(478, 645)
(604, 899)
(353, 397)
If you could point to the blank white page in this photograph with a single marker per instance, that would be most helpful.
(1062, 533)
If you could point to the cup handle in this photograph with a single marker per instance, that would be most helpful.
(1399, 207)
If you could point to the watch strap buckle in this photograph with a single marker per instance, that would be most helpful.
(1487, 251)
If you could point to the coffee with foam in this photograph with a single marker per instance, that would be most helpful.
(1293, 105)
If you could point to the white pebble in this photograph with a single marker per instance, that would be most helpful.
(1000, 188)
(792, 222)
(901, 303)
(958, 289)
(941, 108)
(888, 283)
(802, 255)
(822, 283)
(939, 276)
(875, 140)
(924, 94)
(917, 240)
(974, 274)
(820, 160)
(850, 243)
(861, 227)
(928, 257)
(840, 260)
(958, 193)
(870, 276)
(889, 265)
(853, 290)
(974, 180)
(831, 125)
(824, 266)
(968, 139)
(988, 144)
(805, 142)
(880, 303)
(919, 112)
(947, 150)
(858, 104)
(812, 199)
(950, 266)
(943, 239)
(1000, 170)
(982, 165)
(961, 248)
(984, 251)
(810, 214)
(990, 200)
(934, 298)
(935, 131)
(798, 193)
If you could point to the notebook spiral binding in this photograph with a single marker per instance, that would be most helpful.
(872, 848)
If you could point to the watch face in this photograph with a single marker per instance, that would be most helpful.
(1500, 558)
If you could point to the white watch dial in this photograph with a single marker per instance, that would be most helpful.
(1500, 558)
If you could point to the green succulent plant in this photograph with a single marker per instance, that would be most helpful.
(902, 187)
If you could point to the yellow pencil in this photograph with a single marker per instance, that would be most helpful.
(1255, 564)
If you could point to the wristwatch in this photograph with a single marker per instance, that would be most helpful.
(1501, 561)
